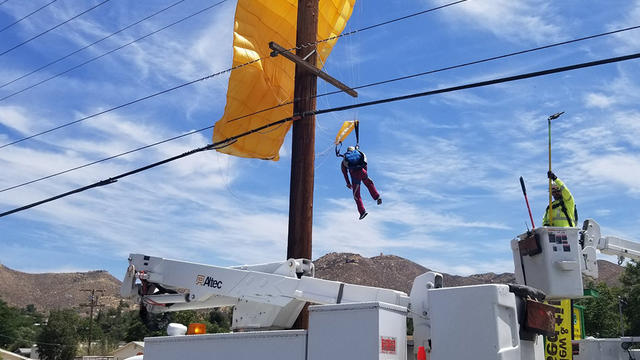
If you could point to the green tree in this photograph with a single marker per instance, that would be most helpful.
(601, 317)
(137, 330)
(9, 319)
(220, 320)
(58, 340)
(630, 280)
(17, 326)
(25, 337)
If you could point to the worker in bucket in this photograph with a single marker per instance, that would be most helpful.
(356, 162)
(563, 206)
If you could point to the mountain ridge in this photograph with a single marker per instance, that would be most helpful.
(49, 291)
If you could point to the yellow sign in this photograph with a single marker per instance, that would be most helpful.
(558, 346)
(577, 323)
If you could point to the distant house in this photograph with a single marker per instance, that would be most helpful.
(128, 350)
(8, 355)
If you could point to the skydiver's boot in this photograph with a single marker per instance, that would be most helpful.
(363, 215)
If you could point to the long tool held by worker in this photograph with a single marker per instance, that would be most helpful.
(524, 192)
(552, 117)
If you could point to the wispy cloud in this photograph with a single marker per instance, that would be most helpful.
(14, 117)
(516, 21)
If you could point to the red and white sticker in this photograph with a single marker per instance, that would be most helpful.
(387, 345)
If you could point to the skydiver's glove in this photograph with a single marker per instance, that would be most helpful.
(551, 175)
(349, 186)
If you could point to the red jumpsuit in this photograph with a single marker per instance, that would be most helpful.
(358, 175)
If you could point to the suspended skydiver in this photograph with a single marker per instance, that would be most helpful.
(356, 162)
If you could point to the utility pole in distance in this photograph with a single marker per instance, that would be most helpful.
(303, 144)
(93, 302)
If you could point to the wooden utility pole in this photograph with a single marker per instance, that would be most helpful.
(303, 143)
(93, 302)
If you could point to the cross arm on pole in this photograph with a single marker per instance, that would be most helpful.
(279, 50)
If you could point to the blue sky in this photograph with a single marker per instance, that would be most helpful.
(447, 165)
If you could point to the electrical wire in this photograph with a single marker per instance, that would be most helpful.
(214, 146)
(489, 59)
(3, 2)
(279, 105)
(134, 150)
(108, 52)
(26, 16)
(232, 139)
(93, 43)
(179, 86)
(51, 29)
(123, 105)
(472, 62)
(302, 46)
(291, 102)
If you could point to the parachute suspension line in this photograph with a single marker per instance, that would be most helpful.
(355, 67)
(346, 129)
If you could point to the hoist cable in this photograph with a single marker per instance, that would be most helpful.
(93, 43)
(26, 16)
(232, 139)
(51, 29)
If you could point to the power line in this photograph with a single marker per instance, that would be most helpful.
(124, 105)
(138, 149)
(93, 43)
(232, 139)
(26, 16)
(3, 2)
(179, 86)
(319, 95)
(53, 28)
(489, 59)
(379, 24)
(108, 52)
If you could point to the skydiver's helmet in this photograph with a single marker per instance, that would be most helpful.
(351, 148)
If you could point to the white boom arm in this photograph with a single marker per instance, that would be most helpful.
(592, 239)
(264, 296)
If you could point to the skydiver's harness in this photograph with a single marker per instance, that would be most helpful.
(354, 159)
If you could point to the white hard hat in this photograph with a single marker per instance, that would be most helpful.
(351, 148)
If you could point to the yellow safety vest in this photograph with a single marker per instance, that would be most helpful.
(560, 218)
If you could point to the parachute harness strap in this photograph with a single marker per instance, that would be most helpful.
(357, 128)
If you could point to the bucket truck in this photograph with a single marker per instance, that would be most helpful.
(485, 322)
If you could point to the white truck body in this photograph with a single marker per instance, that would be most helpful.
(482, 322)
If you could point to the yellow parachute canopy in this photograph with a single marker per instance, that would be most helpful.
(268, 81)
(345, 130)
